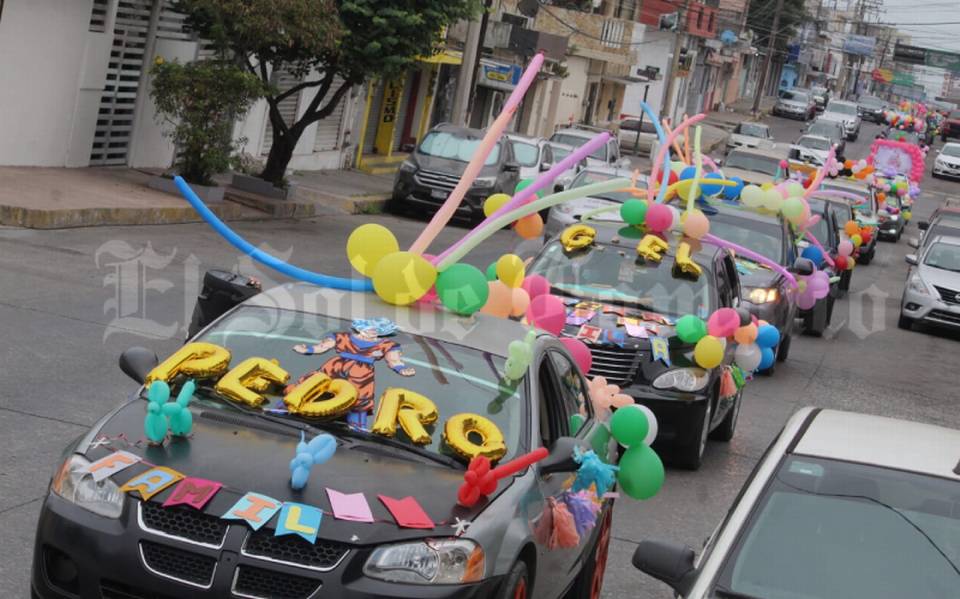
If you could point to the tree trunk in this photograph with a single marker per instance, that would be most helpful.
(280, 154)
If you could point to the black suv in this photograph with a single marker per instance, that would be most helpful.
(609, 273)
(429, 174)
(826, 230)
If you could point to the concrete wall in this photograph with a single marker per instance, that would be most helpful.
(43, 48)
(653, 49)
(573, 91)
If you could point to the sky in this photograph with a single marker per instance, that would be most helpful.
(940, 37)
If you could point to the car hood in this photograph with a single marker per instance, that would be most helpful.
(839, 118)
(950, 160)
(448, 166)
(750, 141)
(940, 277)
(792, 103)
(244, 458)
(804, 151)
(754, 177)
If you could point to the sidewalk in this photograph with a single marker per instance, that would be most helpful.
(739, 112)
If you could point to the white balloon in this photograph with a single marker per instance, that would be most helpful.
(675, 214)
(748, 356)
(653, 427)
(752, 196)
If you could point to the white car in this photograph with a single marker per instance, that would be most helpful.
(750, 135)
(841, 505)
(638, 138)
(568, 213)
(811, 149)
(845, 113)
(947, 163)
(753, 166)
(607, 155)
(932, 292)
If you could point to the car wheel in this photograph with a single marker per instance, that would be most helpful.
(394, 205)
(724, 432)
(517, 583)
(690, 456)
(783, 350)
(815, 321)
(589, 581)
(905, 322)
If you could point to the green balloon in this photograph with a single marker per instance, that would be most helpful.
(525, 183)
(792, 208)
(629, 426)
(691, 329)
(492, 272)
(633, 211)
(462, 288)
(641, 472)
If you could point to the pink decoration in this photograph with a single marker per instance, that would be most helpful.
(605, 396)
(904, 158)
(818, 178)
(195, 492)
(723, 323)
(547, 312)
(536, 285)
(826, 255)
(723, 243)
(580, 352)
(659, 218)
(662, 154)
(349, 506)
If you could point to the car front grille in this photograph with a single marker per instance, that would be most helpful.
(617, 365)
(436, 180)
(177, 564)
(257, 583)
(183, 523)
(111, 589)
(944, 317)
(950, 296)
(291, 549)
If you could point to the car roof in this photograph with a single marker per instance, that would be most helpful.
(841, 103)
(609, 234)
(467, 132)
(524, 138)
(573, 131)
(946, 240)
(765, 152)
(481, 331)
(753, 215)
(882, 441)
(755, 124)
(614, 171)
(812, 136)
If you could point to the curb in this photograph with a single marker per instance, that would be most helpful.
(66, 218)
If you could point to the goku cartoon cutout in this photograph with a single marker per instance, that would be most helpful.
(357, 354)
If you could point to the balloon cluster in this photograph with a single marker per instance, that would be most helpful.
(640, 473)
(726, 325)
(812, 287)
(858, 169)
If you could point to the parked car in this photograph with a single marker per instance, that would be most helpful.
(871, 108)
(864, 212)
(95, 540)
(433, 169)
(846, 113)
(750, 135)
(637, 138)
(753, 165)
(947, 162)
(950, 128)
(531, 154)
(932, 292)
(832, 130)
(840, 505)
(568, 213)
(944, 221)
(821, 96)
(559, 152)
(685, 398)
(763, 291)
(795, 104)
(608, 155)
(890, 217)
(817, 319)
(810, 149)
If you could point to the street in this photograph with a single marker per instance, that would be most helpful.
(71, 300)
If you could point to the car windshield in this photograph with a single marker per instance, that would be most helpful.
(863, 206)
(605, 273)
(577, 141)
(951, 150)
(824, 129)
(945, 256)
(871, 102)
(560, 152)
(590, 177)
(814, 143)
(768, 165)
(525, 154)
(764, 238)
(794, 95)
(455, 377)
(820, 229)
(847, 109)
(444, 144)
(826, 528)
(753, 130)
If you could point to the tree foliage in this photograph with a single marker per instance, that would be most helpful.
(760, 20)
(203, 101)
(316, 41)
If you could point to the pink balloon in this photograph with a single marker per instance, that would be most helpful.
(659, 218)
(548, 313)
(580, 352)
(536, 285)
(723, 323)
(845, 248)
(806, 301)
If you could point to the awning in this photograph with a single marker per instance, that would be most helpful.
(623, 80)
(445, 57)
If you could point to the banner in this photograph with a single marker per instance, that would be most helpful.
(859, 45)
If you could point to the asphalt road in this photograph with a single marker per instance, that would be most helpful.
(71, 300)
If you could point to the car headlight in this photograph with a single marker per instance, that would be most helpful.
(432, 561)
(682, 379)
(917, 286)
(407, 166)
(762, 295)
(485, 182)
(78, 487)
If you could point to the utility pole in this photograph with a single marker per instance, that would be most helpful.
(461, 100)
(768, 57)
(666, 104)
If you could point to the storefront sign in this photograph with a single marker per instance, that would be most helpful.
(392, 90)
(499, 76)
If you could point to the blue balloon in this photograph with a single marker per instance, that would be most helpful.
(766, 358)
(814, 254)
(294, 272)
(768, 336)
(688, 173)
(733, 192)
(711, 189)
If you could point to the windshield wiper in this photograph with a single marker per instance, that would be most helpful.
(596, 298)
(729, 594)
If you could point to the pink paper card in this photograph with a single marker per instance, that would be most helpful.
(407, 512)
(349, 506)
(195, 492)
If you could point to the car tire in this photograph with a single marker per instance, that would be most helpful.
(815, 321)
(394, 206)
(690, 456)
(905, 322)
(728, 425)
(589, 581)
(783, 350)
(517, 583)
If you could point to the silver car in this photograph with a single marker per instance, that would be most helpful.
(932, 292)
(796, 104)
(568, 213)
(841, 505)
(845, 113)
(750, 135)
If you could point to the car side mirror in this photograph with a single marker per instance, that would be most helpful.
(804, 267)
(671, 563)
(137, 362)
(923, 225)
(914, 243)
(559, 187)
(511, 167)
(545, 166)
(561, 456)
(911, 259)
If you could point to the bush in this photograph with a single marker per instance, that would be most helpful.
(203, 100)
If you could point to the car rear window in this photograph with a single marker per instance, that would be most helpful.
(577, 141)
(444, 144)
(767, 165)
(525, 154)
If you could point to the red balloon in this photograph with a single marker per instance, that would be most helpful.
(841, 262)
(659, 218)
(672, 178)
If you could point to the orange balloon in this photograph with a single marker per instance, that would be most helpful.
(499, 301)
(745, 334)
(520, 301)
(529, 227)
(851, 228)
(847, 164)
(881, 197)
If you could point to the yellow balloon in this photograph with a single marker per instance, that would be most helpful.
(494, 203)
(368, 244)
(510, 270)
(709, 352)
(403, 277)
(766, 186)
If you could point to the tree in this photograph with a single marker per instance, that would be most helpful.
(760, 20)
(353, 39)
(202, 100)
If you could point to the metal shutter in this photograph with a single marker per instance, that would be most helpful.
(283, 81)
(328, 129)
